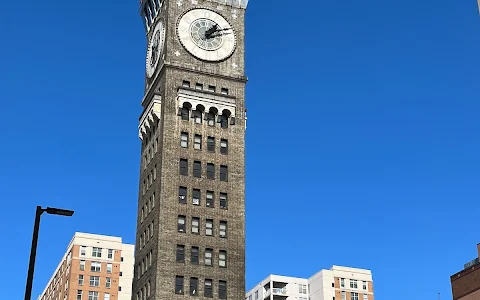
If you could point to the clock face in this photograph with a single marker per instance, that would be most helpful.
(155, 48)
(206, 34)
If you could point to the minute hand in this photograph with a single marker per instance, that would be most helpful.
(209, 34)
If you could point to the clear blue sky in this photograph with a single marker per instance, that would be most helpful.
(363, 135)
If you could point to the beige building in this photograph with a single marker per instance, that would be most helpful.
(338, 283)
(94, 267)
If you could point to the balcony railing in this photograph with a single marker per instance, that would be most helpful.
(281, 291)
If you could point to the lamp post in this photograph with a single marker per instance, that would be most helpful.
(33, 250)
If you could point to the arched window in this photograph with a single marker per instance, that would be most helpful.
(197, 114)
(223, 118)
(210, 116)
(184, 112)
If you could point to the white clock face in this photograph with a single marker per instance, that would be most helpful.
(155, 48)
(206, 34)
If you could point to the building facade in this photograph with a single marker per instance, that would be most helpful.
(94, 267)
(466, 283)
(338, 283)
(191, 203)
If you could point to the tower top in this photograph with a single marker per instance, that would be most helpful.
(235, 3)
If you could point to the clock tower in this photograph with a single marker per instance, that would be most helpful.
(190, 236)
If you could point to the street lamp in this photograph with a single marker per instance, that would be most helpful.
(33, 250)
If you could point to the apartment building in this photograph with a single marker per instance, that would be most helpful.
(338, 283)
(94, 267)
(466, 283)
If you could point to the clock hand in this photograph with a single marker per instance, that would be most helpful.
(211, 30)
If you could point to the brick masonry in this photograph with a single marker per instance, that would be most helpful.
(175, 69)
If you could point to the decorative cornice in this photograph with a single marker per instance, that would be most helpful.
(150, 116)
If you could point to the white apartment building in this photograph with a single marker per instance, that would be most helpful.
(338, 283)
(94, 267)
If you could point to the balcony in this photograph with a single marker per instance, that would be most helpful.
(280, 291)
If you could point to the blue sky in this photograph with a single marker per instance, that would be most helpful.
(362, 140)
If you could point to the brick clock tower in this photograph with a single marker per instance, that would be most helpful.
(191, 206)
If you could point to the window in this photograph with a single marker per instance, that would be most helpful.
(211, 144)
(82, 265)
(256, 295)
(209, 200)
(186, 83)
(193, 286)
(209, 227)
(184, 140)
(196, 195)
(110, 253)
(223, 146)
(210, 171)
(96, 252)
(208, 291)
(199, 86)
(197, 116)
(223, 200)
(184, 167)
(222, 258)
(153, 205)
(222, 289)
(194, 256)
(179, 285)
(223, 173)
(196, 225)
(208, 257)
(109, 268)
(224, 91)
(302, 288)
(223, 229)
(95, 266)
(354, 296)
(211, 119)
(211, 88)
(121, 273)
(197, 142)
(119, 288)
(365, 297)
(197, 169)
(79, 294)
(83, 250)
(180, 253)
(223, 121)
(95, 281)
(142, 215)
(154, 172)
(108, 282)
(182, 195)
(148, 289)
(344, 295)
(353, 284)
(364, 285)
(342, 282)
(107, 296)
(185, 113)
(92, 295)
(80, 279)
(181, 224)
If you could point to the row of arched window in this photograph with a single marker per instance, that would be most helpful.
(211, 117)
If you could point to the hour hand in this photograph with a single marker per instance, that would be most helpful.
(211, 30)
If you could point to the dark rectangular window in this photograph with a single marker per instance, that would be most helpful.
(180, 253)
(197, 169)
(194, 256)
(197, 142)
(223, 229)
(211, 144)
(224, 91)
(182, 195)
(210, 171)
(211, 88)
(199, 86)
(211, 119)
(209, 257)
(210, 199)
(196, 195)
(208, 290)
(181, 224)
(224, 146)
(179, 285)
(193, 286)
(184, 167)
(185, 113)
(223, 173)
(209, 227)
(222, 258)
(195, 225)
(223, 121)
(222, 289)
(223, 200)
(184, 140)
(186, 83)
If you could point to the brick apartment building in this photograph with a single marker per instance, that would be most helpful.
(466, 283)
(94, 267)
